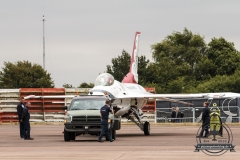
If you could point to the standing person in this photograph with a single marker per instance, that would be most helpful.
(104, 113)
(25, 119)
(205, 120)
(173, 114)
(178, 114)
(20, 107)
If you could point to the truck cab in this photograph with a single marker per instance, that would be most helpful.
(83, 117)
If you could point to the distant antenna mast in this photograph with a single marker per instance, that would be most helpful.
(43, 43)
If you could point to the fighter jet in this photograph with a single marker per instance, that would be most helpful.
(130, 97)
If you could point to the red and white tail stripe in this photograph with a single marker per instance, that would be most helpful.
(132, 76)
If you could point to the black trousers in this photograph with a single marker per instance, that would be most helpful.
(205, 127)
(26, 128)
(21, 127)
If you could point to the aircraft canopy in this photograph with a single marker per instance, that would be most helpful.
(104, 79)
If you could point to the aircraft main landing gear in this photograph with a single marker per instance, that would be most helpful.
(146, 128)
(136, 118)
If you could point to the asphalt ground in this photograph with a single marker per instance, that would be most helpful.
(165, 142)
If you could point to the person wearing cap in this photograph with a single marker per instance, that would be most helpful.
(25, 119)
(20, 107)
(104, 113)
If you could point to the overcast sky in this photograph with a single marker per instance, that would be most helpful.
(82, 36)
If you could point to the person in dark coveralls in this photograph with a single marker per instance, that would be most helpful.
(205, 120)
(173, 114)
(25, 119)
(104, 113)
(20, 107)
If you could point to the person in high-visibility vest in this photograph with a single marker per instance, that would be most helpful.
(215, 120)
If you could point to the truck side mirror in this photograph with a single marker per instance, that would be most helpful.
(64, 108)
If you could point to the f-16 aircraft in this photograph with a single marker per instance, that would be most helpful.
(128, 97)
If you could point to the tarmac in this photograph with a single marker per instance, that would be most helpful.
(165, 142)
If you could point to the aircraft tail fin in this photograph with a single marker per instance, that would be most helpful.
(132, 76)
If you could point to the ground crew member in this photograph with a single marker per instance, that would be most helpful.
(25, 119)
(173, 115)
(205, 120)
(20, 107)
(104, 113)
(215, 120)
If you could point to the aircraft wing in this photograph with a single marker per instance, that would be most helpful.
(218, 95)
(163, 97)
(176, 95)
(173, 97)
(57, 96)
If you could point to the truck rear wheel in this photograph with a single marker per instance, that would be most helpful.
(66, 135)
(72, 136)
(106, 136)
(113, 134)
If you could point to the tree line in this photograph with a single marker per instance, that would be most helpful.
(24, 74)
(182, 63)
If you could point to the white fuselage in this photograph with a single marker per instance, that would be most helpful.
(122, 92)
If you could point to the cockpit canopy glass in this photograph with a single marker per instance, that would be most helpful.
(104, 79)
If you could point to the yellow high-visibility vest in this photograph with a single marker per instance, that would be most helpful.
(215, 120)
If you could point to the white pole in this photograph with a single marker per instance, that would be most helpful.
(43, 44)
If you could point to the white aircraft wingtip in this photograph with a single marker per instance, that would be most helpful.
(30, 96)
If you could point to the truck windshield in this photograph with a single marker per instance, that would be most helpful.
(87, 104)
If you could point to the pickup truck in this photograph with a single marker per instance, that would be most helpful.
(83, 117)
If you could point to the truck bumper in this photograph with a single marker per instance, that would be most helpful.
(83, 128)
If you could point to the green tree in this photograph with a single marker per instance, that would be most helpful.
(176, 60)
(143, 63)
(65, 85)
(121, 65)
(184, 49)
(221, 83)
(86, 85)
(224, 57)
(205, 69)
(24, 74)
(184, 63)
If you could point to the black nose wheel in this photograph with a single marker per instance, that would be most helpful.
(146, 128)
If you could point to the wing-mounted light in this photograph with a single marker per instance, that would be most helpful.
(106, 95)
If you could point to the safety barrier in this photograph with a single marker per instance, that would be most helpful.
(190, 120)
(149, 110)
(175, 120)
(42, 109)
(1, 116)
(151, 104)
(9, 98)
(234, 120)
(45, 109)
(194, 114)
